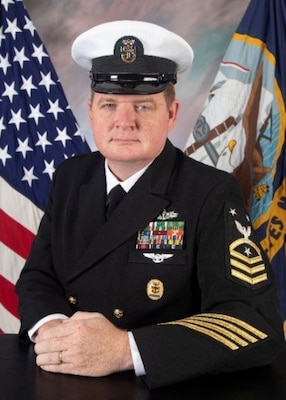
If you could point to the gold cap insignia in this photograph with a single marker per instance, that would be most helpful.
(155, 289)
(128, 50)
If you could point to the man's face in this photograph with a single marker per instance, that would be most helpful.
(131, 129)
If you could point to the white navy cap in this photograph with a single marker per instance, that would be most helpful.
(131, 57)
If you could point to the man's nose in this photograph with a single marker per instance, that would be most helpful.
(125, 117)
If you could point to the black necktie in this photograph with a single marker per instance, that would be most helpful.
(113, 199)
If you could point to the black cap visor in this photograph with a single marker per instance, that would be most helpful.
(132, 78)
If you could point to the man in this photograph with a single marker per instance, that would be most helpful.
(172, 284)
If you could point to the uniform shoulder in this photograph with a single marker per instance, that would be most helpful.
(79, 167)
(79, 161)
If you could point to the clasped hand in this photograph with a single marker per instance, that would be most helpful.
(86, 344)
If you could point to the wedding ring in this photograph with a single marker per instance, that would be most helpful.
(61, 357)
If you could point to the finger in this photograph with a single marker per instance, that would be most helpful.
(53, 358)
(50, 345)
(60, 368)
(59, 330)
(49, 325)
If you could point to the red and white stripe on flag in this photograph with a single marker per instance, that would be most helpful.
(38, 131)
(19, 221)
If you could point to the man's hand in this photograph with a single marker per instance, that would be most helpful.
(48, 325)
(85, 344)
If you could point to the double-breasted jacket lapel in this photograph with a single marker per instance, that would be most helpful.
(142, 204)
(92, 204)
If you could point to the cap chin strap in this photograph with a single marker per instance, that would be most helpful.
(140, 88)
(122, 78)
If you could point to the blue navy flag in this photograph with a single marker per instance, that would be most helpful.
(242, 126)
(37, 132)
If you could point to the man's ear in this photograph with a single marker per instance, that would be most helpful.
(173, 113)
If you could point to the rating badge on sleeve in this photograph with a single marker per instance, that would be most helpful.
(245, 258)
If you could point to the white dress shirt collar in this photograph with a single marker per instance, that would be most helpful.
(112, 181)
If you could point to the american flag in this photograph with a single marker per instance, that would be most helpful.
(37, 132)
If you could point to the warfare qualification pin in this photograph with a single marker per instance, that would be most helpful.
(128, 50)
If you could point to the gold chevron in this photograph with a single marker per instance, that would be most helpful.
(248, 279)
(249, 270)
(243, 257)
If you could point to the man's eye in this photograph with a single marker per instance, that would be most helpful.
(109, 106)
(142, 107)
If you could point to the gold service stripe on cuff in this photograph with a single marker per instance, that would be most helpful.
(207, 332)
(241, 323)
(208, 324)
(225, 332)
(229, 326)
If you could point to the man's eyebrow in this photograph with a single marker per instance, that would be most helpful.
(113, 100)
(106, 100)
(145, 100)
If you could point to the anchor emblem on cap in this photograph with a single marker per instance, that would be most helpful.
(128, 50)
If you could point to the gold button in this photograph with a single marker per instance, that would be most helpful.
(72, 300)
(118, 313)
